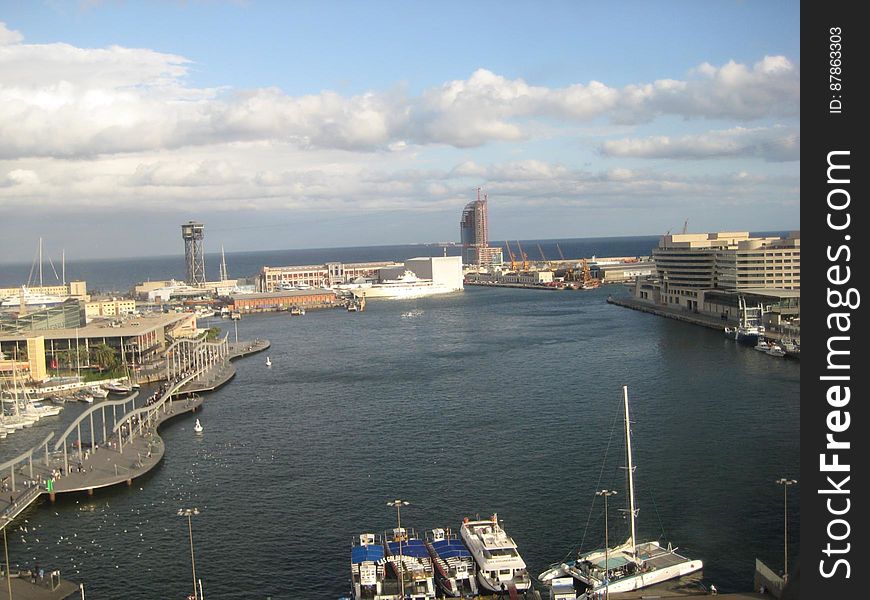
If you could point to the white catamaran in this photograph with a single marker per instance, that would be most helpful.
(631, 565)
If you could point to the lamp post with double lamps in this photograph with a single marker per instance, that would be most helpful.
(606, 494)
(399, 504)
(785, 483)
(190, 512)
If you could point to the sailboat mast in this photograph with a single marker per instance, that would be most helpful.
(40, 262)
(630, 467)
(63, 265)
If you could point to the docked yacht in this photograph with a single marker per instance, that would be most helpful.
(116, 387)
(630, 565)
(405, 287)
(499, 565)
(454, 565)
(368, 569)
(409, 558)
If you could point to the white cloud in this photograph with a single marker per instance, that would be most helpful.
(768, 143)
(62, 101)
(9, 36)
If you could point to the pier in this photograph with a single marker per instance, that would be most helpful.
(97, 450)
(709, 322)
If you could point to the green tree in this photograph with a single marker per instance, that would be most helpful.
(212, 333)
(104, 356)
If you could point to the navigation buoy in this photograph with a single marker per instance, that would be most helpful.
(197, 427)
(268, 362)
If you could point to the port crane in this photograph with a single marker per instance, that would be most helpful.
(511, 255)
(524, 256)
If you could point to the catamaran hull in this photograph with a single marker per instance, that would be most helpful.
(642, 580)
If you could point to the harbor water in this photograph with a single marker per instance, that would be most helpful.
(488, 400)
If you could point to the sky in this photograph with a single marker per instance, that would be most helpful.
(296, 124)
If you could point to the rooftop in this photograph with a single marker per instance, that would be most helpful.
(103, 328)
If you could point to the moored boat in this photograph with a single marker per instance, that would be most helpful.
(499, 565)
(116, 387)
(407, 555)
(368, 569)
(453, 563)
(630, 565)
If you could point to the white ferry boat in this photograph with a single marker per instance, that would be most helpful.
(405, 287)
(629, 566)
(499, 565)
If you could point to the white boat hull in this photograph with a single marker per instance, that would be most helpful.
(401, 292)
(491, 586)
(642, 580)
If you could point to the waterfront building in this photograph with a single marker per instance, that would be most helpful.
(474, 235)
(68, 314)
(271, 279)
(687, 264)
(619, 272)
(708, 273)
(24, 365)
(109, 308)
(138, 340)
(283, 300)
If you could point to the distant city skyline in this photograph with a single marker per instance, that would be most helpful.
(315, 125)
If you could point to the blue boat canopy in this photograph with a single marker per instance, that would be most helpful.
(450, 548)
(372, 552)
(413, 547)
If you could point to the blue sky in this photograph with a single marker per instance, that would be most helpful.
(360, 123)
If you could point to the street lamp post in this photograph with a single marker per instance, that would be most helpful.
(399, 504)
(6, 555)
(785, 483)
(190, 512)
(606, 494)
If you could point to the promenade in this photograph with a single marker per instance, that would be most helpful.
(82, 460)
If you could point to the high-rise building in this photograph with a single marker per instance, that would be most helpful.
(192, 233)
(474, 235)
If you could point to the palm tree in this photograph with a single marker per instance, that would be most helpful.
(105, 356)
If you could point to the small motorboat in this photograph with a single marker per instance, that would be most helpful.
(197, 428)
(268, 362)
(775, 350)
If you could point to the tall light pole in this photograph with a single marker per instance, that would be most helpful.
(399, 504)
(6, 555)
(785, 483)
(189, 512)
(606, 494)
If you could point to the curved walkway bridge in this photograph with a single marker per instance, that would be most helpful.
(116, 441)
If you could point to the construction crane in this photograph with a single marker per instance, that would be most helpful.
(524, 257)
(569, 270)
(512, 257)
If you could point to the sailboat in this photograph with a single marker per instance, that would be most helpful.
(197, 427)
(631, 565)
